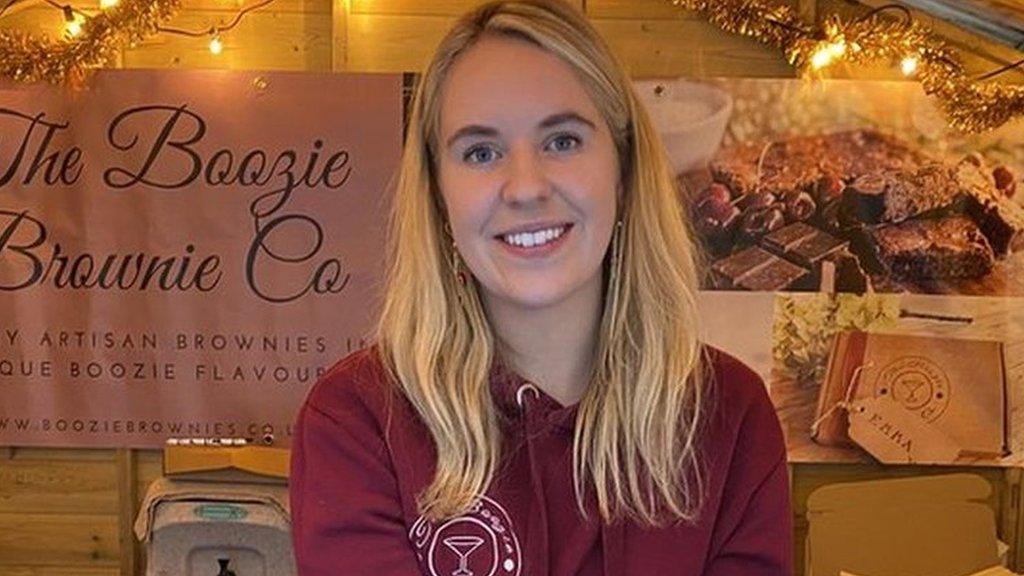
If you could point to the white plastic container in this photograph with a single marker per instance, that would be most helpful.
(691, 118)
(219, 538)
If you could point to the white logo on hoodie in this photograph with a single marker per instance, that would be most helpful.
(479, 543)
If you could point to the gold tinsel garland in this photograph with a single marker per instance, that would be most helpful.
(27, 58)
(970, 105)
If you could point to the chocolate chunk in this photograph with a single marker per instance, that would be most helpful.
(933, 248)
(777, 275)
(814, 250)
(728, 270)
(1000, 219)
(865, 197)
(756, 269)
(803, 244)
(806, 246)
(784, 239)
(847, 274)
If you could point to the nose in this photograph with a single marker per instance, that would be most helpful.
(526, 180)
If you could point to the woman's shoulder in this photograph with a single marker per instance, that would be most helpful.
(742, 409)
(733, 380)
(356, 382)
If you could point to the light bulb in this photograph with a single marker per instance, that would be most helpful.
(821, 58)
(72, 23)
(908, 65)
(104, 4)
(827, 52)
(216, 47)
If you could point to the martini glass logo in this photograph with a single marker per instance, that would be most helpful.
(481, 542)
(463, 547)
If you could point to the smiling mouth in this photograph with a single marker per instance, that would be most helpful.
(536, 238)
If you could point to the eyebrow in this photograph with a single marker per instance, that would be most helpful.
(550, 121)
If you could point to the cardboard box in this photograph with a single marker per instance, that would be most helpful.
(993, 571)
(931, 390)
(227, 464)
(923, 526)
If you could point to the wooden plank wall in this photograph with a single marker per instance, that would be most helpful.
(69, 512)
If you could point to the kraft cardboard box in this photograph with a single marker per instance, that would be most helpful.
(923, 526)
(918, 399)
(993, 571)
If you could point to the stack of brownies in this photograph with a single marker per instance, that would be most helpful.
(834, 211)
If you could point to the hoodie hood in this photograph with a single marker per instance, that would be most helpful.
(513, 393)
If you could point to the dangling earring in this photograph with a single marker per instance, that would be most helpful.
(616, 250)
(616, 270)
(457, 266)
(454, 261)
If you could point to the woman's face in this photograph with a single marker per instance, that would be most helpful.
(528, 171)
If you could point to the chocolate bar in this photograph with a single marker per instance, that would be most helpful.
(803, 244)
(896, 196)
(1000, 219)
(933, 248)
(756, 269)
(806, 246)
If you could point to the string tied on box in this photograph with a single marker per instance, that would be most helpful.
(846, 401)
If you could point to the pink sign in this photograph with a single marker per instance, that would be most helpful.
(183, 253)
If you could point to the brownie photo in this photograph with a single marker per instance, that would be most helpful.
(833, 211)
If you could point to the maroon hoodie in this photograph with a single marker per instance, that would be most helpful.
(361, 455)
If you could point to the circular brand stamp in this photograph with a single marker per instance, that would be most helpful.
(478, 543)
(917, 384)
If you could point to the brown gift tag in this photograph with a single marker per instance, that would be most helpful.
(894, 435)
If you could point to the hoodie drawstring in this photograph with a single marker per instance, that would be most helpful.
(538, 529)
(613, 536)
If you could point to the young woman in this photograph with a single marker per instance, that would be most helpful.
(536, 401)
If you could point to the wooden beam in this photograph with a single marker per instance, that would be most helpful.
(1012, 528)
(339, 34)
(976, 17)
(126, 498)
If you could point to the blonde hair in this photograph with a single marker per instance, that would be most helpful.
(639, 422)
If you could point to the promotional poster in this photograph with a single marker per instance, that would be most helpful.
(863, 257)
(182, 254)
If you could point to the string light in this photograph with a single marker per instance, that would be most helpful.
(908, 65)
(216, 46)
(72, 22)
(828, 53)
(28, 58)
(971, 104)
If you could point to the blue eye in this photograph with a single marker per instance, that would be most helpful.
(472, 155)
(567, 138)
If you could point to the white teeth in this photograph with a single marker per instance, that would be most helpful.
(531, 239)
